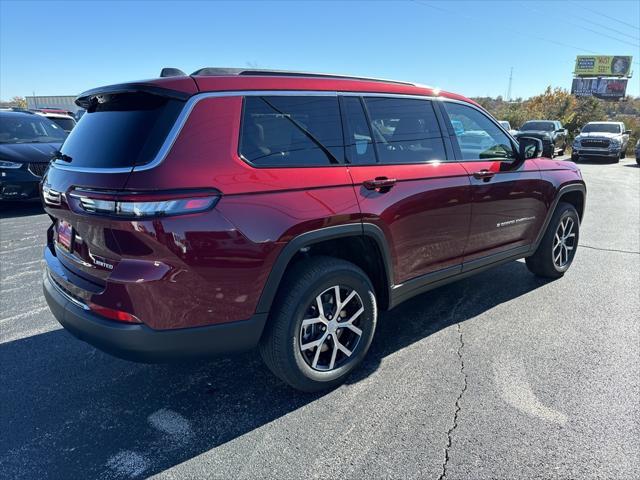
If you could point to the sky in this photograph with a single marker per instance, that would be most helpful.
(469, 47)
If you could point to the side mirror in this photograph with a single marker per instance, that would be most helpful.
(529, 147)
(627, 132)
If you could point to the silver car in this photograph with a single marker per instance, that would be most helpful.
(601, 139)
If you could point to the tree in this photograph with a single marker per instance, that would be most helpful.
(19, 102)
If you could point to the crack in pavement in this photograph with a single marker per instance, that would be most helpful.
(609, 249)
(443, 474)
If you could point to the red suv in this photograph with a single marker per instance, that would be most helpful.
(217, 212)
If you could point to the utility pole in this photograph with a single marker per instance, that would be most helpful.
(509, 88)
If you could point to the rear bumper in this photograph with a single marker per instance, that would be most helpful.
(143, 344)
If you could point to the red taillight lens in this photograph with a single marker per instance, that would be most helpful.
(141, 205)
(112, 314)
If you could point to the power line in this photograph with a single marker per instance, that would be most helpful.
(635, 27)
(605, 26)
(585, 28)
(515, 30)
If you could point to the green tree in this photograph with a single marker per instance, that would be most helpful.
(19, 102)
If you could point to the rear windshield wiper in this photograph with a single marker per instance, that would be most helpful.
(58, 155)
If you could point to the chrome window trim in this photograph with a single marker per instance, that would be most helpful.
(189, 105)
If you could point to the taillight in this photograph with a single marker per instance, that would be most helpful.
(112, 314)
(143, 204)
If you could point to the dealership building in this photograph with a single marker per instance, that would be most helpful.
(65, 102)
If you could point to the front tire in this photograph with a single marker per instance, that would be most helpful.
(321, 324)
(558, 246)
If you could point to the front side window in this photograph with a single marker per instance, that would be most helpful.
(478, 137)
(291, 131)
(405, 130)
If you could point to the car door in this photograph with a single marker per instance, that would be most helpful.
(407, 183)
(508, 206)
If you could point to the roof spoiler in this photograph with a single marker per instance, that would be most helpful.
(88, 98)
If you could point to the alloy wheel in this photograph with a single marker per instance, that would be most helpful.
(564, 242)
(330, 330)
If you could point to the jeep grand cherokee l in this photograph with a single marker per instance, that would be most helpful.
(217, 212)
(601, 140)
(551, 132)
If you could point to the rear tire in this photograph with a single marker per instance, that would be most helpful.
(303, 343)
(558, 246)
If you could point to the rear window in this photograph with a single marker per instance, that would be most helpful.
(122, 131)
(291, 131)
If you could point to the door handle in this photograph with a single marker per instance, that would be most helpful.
(381, 184)
(484, 175)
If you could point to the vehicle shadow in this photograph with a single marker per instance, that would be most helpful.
(633, 165)
(70, 411)
(20, 209)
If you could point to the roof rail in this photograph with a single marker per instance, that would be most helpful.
(210, 71)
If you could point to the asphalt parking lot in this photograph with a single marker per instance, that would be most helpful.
(502, 375)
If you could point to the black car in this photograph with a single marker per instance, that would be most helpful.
(27, 143)
(551, 132)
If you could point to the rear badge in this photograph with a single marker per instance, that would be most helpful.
(101, 262)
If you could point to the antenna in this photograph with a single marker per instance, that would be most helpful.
(509, 88)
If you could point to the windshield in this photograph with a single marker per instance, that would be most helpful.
(26, 128)
(543, 126)
(601, 127)
(66, 123)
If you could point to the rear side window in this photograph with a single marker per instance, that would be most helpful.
(122, 131)
(292, 131)
(405, 130)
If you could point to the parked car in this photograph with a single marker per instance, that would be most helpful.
(27, 143)
(78, 115)
(235, 211)
(65, 121)
(507, 126)
(601, 139)
(551, 132)
(638, 152)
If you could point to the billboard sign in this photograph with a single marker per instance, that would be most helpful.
(603, 66)
(604, 88)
